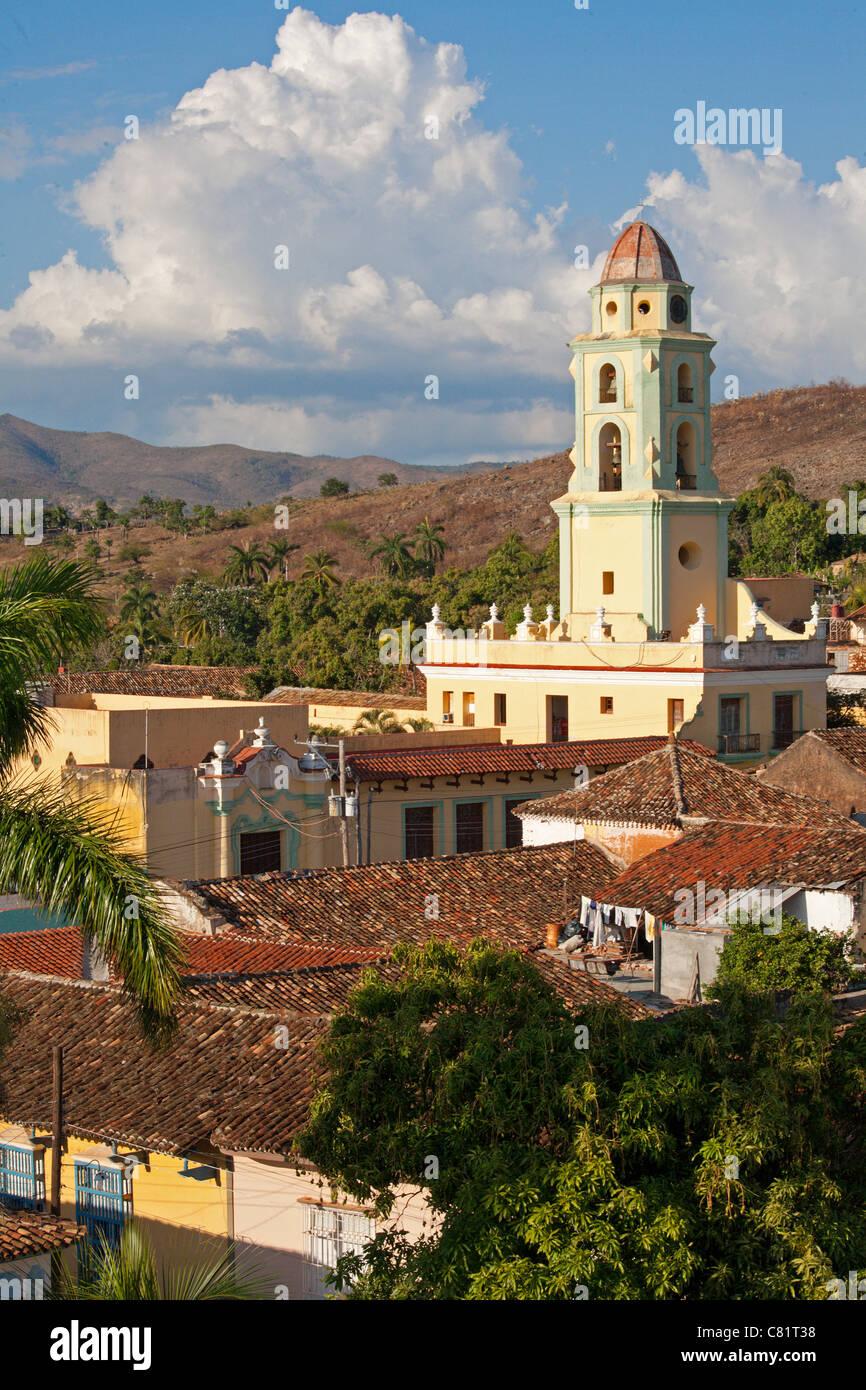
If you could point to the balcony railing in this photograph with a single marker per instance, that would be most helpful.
(686, 394)
(739, 743)
(783, 738)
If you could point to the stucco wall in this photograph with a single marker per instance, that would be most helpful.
(811, 768)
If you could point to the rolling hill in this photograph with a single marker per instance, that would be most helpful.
(818, 433)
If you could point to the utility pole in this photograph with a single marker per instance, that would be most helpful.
(344, 829)
(56, 1125)
(358, 858)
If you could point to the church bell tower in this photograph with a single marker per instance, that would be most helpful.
(643, 527)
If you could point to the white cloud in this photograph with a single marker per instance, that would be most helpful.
(408, 255)
(445, 434)
(776, 261)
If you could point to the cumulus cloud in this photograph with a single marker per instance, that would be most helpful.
(412, 248)
(775, 260)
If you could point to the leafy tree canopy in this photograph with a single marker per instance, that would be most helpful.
(715, 1153)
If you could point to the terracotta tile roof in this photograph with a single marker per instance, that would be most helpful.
(669, 786)
(259, 975)
(367, 699)
(182, 682)
(26, 1233)
(850, 744)
(322, 991)
(729, 856)
(508, 895)
(59, 951)
(227, 1078)
(482, 758)
(223, 1071)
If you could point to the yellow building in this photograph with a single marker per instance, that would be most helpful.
(652, 635)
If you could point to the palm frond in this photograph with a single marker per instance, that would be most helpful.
(69, 856)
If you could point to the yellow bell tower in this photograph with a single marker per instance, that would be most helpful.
(643, 527)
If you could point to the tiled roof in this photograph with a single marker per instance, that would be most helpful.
(850, 744)
(59, 952)
(322, 991)
(666, 787)
(482, 758)
(225, 1068)
(728, 856)
(182, 682)
(26, 1233)
(367, 699)
(237, 1075)
(508, 895)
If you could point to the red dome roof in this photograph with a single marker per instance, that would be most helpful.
(639, 253)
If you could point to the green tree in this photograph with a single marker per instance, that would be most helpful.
(712, 1153)
(133, 552)
(394, 555)
(92, 549)
(794, 959)
(333, 487)
(776, 485)
(68, 855)
(377, 721)
(319, 571)
(387, 480)
(246, 563)
(430, 545)
(140, 613)
(279, 552)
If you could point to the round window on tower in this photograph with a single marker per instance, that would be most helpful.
(689, 555)
(679, 309)
(643, 307)
(610, 307)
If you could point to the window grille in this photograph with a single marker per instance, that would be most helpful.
(22, 1176)
(330, 1233)
(103, 1199)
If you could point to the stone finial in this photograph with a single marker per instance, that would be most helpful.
(815, 610)
(550, 617)
(527, 630)
(599, 630)
(754, 614)
(436, 611)
(701, 631)
(494, 612)
(599, 613)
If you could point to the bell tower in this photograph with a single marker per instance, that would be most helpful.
(643, 528)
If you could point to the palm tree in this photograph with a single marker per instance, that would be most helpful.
(139, 611)
(429, 544)
(395, 556)
(247, 562)
(279, 552)
(774, 486)
(66, 854)
(377, 721)
(192, 627)
(417, 726)
(319, 570)
(128, 1272)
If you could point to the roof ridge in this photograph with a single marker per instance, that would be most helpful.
(676, 776)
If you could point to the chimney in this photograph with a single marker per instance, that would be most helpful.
(553, 933)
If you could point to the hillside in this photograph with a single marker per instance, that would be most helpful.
(817, 432)
(75, 467)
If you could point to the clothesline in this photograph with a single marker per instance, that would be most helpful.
(601, 921)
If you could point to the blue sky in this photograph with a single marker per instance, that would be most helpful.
(582, 106)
